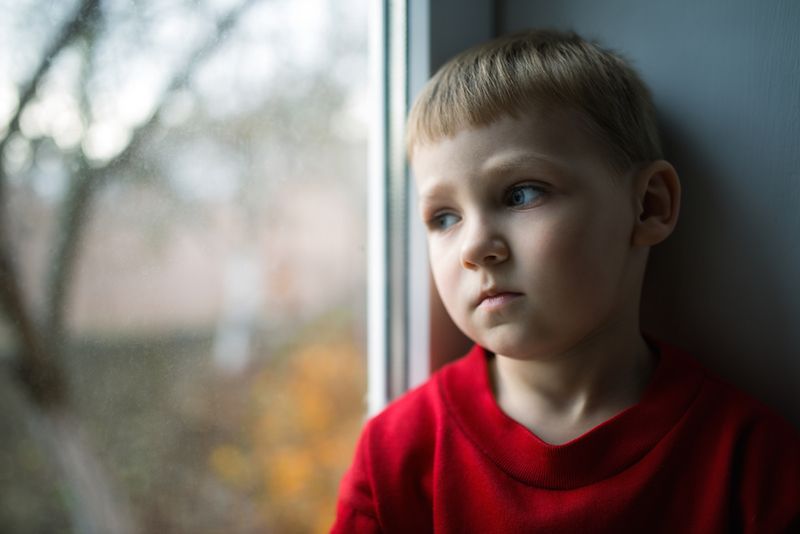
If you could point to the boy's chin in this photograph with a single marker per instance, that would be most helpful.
(506, 342)
(523, 344)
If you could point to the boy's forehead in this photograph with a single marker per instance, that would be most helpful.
(548, 138)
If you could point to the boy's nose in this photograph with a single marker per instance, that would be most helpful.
(482, 249)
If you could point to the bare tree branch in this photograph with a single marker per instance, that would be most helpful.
(38, 351)
(86, 185)
(178, 81)
(73, 211)
(95, 507)
(43, 378)
(83, 17)
(72, 222)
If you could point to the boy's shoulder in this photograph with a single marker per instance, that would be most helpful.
(415, 415)
(717, 398)
(736, 411)
(397, 447)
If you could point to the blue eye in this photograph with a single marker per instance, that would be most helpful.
(443, 221)
(522, 195)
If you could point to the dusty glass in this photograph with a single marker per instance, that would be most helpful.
(182, 263)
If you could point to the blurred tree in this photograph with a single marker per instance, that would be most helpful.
(309, 432)
(96, 504)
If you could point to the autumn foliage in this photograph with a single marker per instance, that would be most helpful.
(308, 408)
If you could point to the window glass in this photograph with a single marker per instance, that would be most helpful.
(182, 263)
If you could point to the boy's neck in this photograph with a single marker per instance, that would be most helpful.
(566, 395)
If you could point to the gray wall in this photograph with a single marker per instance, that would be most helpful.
(726, 80)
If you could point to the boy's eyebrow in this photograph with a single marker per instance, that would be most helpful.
(438, 188)
(497, 166)
(505, 164)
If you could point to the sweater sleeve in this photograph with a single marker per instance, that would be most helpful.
(356, 511)
(348, 520)
(770, 489)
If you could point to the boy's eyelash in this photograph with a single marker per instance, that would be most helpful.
(435, 221)
(539, 190)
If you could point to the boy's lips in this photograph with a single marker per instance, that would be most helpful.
(496, 298)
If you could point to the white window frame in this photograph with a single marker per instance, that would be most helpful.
(408, 40)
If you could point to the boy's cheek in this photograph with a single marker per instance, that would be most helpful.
(447, 287)
(443, 258)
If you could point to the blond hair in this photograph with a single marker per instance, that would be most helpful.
(506, 76)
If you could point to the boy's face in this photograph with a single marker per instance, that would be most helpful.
(529, 233)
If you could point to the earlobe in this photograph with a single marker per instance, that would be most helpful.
(658, 199)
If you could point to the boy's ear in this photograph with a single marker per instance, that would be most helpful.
(658, 200)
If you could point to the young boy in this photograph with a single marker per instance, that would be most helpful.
(542, 186)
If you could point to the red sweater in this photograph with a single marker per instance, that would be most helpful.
(694, 455)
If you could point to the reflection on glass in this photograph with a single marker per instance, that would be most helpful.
(181, 263)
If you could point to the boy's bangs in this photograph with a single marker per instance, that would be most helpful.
(509, 75)
(470, 92)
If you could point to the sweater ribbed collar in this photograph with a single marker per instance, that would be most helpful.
(602, 452)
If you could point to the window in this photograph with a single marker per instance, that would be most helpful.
(182, 262)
